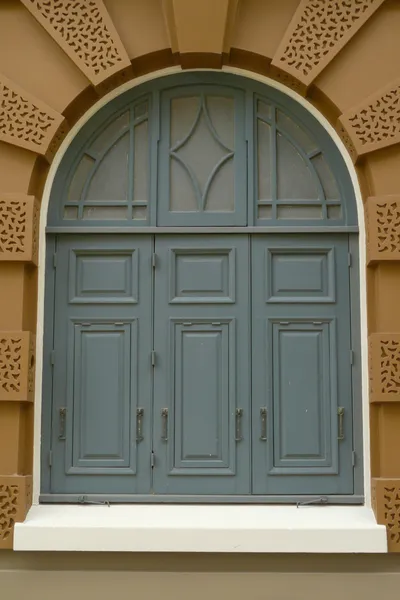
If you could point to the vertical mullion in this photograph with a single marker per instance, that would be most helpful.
(82, 201)
(324, 207)
(251, 357)
(153, 371)
(154, 139)
(274, 175)
(252, 185)
(131, 161)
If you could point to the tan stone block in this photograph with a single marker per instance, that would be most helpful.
(88, 35)
(13, 437)
(317, 32)
(386, 506)
(384, 367)
(383, 228)
(28, 122)
(19, 225)
(17, 365)
(15, 500)
(374, 123)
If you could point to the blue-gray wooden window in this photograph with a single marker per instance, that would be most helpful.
(202, 149)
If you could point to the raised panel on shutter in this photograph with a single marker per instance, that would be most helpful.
(304, 398)
(201, 426)
(100, 432)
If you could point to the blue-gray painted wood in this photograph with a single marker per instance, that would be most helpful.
(301, 369)
(171, 156)
(201, 376)
(301, 372)
(294, 176)
(102, 372)
(220, 305)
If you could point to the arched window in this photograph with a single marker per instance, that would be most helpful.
(202, 304)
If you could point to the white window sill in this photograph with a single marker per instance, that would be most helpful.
(188, 528)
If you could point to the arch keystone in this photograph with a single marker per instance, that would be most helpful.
(200, 28)
(318, 30)
(25, 120)
(86, 33)
(373, 124)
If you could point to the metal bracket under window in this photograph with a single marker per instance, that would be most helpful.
(84, 500)
(319, 500)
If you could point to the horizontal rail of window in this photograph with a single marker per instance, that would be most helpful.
(147, 498)
(307, 201)
(87, 227)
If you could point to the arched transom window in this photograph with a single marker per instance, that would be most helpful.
(183, 153)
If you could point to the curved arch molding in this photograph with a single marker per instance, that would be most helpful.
(294, 45)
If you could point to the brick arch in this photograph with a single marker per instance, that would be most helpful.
(32, 128)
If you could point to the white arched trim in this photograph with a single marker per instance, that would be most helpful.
(339, 531)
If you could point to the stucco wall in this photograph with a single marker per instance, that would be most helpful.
(345, 64)
(285, 577)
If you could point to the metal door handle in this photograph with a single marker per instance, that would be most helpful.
(238, 413)
(164, 416)
(62, 414)
(263, 417)
(139, 418)
(340, 413)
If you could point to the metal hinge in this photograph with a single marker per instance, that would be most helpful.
(152, 460)
(349, 259)
(353, 458)
(352, 357)
(55, 260)
(52, 357)
(50, 458)
(154, 260)
(319, 500)
(153, 358)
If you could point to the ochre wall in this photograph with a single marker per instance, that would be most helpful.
(344, 62)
